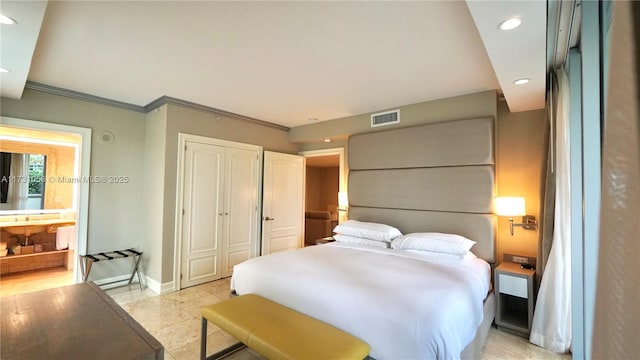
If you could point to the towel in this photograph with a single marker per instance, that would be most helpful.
(66, 237)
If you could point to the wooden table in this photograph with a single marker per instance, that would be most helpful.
(73, 322)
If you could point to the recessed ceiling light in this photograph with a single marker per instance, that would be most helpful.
(6, 20)
(3, 70)
(522, 81)
(510, 24)
(327, 140)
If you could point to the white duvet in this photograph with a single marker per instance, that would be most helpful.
(405, 305)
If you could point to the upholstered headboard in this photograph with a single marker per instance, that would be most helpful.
(436, 177)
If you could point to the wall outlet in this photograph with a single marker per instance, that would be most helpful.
(520, 259)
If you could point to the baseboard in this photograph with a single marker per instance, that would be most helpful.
(159, 288)
(167, 288)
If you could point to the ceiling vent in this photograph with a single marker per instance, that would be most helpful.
(385, 118)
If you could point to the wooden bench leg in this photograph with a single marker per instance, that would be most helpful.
(220, 354)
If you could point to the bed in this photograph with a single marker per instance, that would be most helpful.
(436, 177)
(406, 305)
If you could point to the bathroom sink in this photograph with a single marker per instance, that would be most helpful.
(25, 230)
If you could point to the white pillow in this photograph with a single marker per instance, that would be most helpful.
(367, 230)
(346, 239)
(436, 242)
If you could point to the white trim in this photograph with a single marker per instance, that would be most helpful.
(177, 244)
(342, 186)
(159, 288)
(82, 202)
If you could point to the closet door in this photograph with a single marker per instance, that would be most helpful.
(241, 207)
(203, 213)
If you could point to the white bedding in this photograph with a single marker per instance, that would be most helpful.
(405, 305)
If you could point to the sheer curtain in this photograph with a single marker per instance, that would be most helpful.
(551, 326)
(20, 171)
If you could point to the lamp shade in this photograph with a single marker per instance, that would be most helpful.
(343, 200)
(510, 206)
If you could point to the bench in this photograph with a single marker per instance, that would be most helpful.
(277, 332)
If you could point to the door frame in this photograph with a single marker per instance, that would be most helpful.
(343, 183)
(183, 138)
(81, 194)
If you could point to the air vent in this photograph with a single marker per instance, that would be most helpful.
(385, 118)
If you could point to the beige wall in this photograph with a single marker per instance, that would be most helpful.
(115, 210)
(311, 186)
(153, 190)
(521, 148)
(469, 106)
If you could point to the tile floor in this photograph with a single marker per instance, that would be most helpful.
(174, 319)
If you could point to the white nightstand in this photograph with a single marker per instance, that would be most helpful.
(515, 296)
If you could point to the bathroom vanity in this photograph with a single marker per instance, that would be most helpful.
(31, 243)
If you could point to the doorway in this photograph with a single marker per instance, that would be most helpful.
(62, 208)
(324, 179)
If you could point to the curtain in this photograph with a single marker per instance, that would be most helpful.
(616, 331)
(20, 172)
(549, 195)
(551, 326)
(5, 172)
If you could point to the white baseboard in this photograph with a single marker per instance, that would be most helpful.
(149, 283)
(167, 288)
(159, 288)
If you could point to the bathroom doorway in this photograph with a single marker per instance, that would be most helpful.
(44, 207)
(324, 179)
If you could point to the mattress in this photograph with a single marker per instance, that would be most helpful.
(404, 304)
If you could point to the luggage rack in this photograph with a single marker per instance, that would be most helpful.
(86, 261)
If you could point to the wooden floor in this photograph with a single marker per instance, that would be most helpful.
(35, 280)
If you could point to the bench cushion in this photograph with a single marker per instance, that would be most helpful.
(277, 332)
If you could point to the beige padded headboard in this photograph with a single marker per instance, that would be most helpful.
(435, 177)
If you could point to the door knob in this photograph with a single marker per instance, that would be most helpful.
(268, 218)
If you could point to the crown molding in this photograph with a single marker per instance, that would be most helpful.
(82, 96)
(222, 113)
(31, 85)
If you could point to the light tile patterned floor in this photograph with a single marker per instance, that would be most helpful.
(174, 319)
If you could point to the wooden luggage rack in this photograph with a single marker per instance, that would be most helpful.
(86, 261)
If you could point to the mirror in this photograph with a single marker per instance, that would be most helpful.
(22, 181)
(36, 175)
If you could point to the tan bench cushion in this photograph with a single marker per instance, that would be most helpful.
(277, 332)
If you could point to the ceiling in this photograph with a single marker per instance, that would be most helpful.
(281, 62)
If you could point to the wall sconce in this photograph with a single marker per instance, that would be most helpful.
(343, 201)
(514, 206)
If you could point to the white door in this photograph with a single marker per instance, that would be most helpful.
(241, 207)
(203, 213)
(282, 206)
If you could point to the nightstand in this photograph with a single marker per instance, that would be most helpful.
(515, 297)
(325, 240)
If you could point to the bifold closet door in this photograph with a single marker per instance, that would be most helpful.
(203, 200)
(240, 207)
